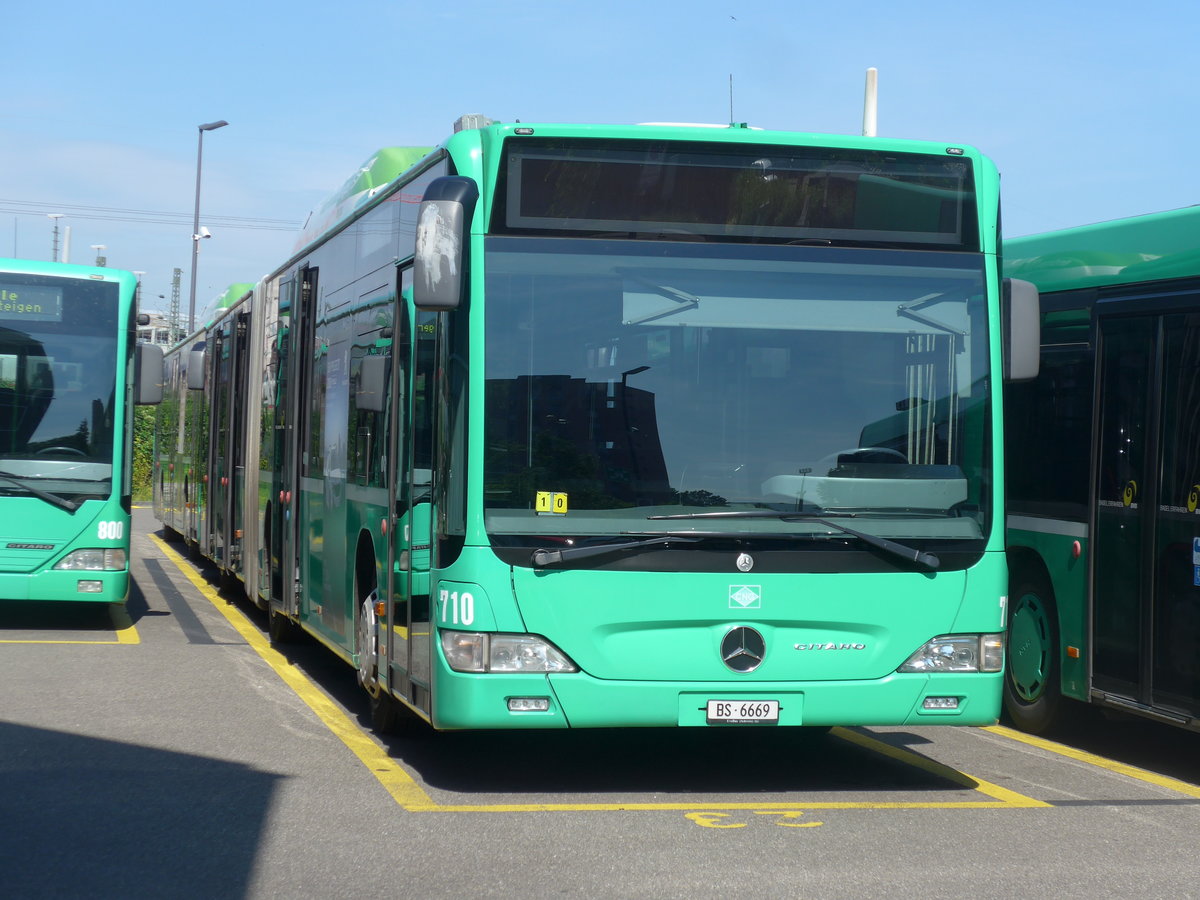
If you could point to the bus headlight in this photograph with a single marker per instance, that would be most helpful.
(97, 560)
(958, 653)
(473, 651)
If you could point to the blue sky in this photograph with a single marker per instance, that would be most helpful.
(1089, 110)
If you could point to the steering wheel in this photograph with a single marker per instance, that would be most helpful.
(872, 455)
(74, 451)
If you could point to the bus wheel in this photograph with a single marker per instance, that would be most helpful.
(1032, 693)
(368, 645)
(390, 716)
(280, 628)
(387, 717)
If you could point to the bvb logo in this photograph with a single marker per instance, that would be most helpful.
(1194, 498)
(1130, 493)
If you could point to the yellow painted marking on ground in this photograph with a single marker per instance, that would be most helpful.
(751, 807)
(786, 819)
(52, 641)
(408, 794)
(1092, 759)
(126, 633)
(1009, 798)
(398, 783)
(1002, 798)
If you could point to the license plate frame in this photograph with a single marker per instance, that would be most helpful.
(741, 712)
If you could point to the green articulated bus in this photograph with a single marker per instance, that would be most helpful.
(573, 425)
(179, 498)
(1104, 474)
(68, 345)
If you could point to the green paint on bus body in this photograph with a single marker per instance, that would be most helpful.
(376, 173)
(1122, 251)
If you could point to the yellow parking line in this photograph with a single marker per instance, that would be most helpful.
(1092, 759)
(408, 794)
(1002, 798)
(398, 782)
(53, 641)
(1004, 795)
(126, 633)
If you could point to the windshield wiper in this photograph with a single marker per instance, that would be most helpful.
(756, 514)
(685, 300)
(896, 549)
(543, 557)
(52, 499)
(910, 308)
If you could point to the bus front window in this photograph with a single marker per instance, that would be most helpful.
(57, 389)
(632, 380)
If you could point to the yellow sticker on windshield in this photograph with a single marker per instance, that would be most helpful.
(551, 503)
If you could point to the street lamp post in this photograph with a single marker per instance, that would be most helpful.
(196, 235)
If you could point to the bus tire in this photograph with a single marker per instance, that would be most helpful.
(1032, 680)
(366, 628)
(386, 715)
(391, 717)
(280, 628)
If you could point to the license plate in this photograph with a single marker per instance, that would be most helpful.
(742, 712)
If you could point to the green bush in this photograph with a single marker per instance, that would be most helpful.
(143, 449)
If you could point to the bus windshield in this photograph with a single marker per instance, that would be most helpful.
(628, 380)
(58, 346)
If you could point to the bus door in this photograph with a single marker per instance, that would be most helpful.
(296, 345)
(1146, 556)
(196, 444)
(220, 363)
(227, 470)
(410, 440)
(238, 394)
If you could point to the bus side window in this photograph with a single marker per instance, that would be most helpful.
(1053, 479)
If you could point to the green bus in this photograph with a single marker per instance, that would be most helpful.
(68, 382)
(661, 425)
(1103, 464)
(179, 474)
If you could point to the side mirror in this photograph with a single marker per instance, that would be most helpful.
(439, 266)
(195, 370)
(1022, 324)
(148, 375)
(372, 384)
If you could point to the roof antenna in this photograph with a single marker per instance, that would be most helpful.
(730, 98)
(871, 103)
